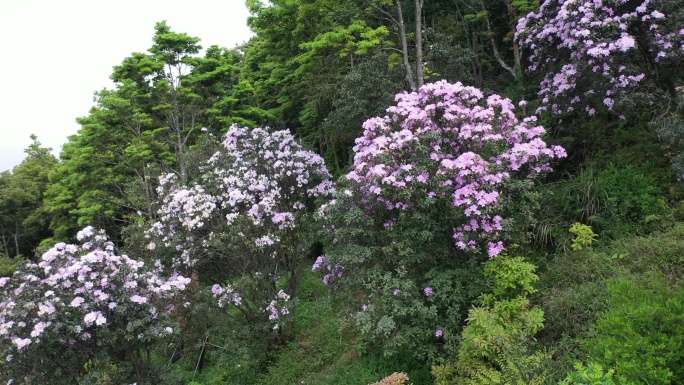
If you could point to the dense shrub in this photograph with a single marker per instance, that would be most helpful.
(593, 52)
(438, 186)
(641, 333)
(82, 306)
(498, 341)
(241, 223)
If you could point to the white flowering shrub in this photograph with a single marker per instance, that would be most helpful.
(80, 302)
(239, 226)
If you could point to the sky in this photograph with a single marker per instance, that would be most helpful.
(56, 54)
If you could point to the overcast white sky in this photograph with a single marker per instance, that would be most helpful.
(56, 53)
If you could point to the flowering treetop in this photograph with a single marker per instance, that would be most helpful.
(448, 140)
(617, 42)
(262, 176)
(240, 221)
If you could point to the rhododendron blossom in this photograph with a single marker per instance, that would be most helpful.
(437, 187)
(473, 144)
(65, 299)
(592, 51)
(242, 216)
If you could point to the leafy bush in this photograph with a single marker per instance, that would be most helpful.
(8, 265)
(584, 236)
(641, 334)
(614, 201)
(592, 374)
(498, 342)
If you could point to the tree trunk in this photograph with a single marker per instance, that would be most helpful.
(16, 238)
(404, 46)
(419, 43)
(497, 56)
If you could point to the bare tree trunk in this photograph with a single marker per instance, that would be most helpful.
(419, 43)
(517, 56)
(404, 46)
(16, 238)
(494, 47)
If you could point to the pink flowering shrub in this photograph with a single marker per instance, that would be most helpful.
(593, 52)
(439, 185)
(240, 224)
(80, 302)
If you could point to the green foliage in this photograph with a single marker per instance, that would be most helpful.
(414, 253)
(641, 333)
(498, 342)
(24, 218)
(577, 291)
(592, 374)
(584, 237)
(8, 265)
(614, 200)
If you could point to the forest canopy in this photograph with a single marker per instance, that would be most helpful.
(367, 191)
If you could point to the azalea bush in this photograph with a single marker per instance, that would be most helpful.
(80, 305)
(239, 226)
(439, 185)
(594, 53)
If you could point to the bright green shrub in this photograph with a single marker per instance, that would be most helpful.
(498, 343)
(592, 374)
(641, 334)
(8, 265)
(584, 236)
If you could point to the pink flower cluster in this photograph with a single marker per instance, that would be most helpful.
(226, 294)
(574, 39)
(77, 289)
(332, 272)
(450, 141)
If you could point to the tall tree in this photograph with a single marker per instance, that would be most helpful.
(162, 102)
(23, 219)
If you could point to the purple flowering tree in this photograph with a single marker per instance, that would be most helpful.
(80, 304)
(439, 185)
(594, 52)
(239, 226)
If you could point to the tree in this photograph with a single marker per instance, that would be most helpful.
(239, 225)
(23, 219)
(145, 127)
(594, 53)
(438, 185)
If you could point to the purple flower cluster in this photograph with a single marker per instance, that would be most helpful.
(450, 141)
(332, 272)
(574, 39)
(278, 308)
(77, 289)
(226, 294)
